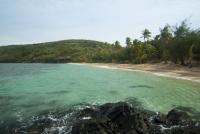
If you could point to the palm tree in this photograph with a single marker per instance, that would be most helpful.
(146, 34)
(165, 33)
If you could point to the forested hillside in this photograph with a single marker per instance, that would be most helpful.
(52, 52)
(179, 44)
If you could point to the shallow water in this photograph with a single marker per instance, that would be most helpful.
(29, 89)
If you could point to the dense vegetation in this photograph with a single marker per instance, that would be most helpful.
(73, 50)
(178, 44)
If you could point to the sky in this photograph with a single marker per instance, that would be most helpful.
(34, 21)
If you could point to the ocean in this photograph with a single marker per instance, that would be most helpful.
(30, 90)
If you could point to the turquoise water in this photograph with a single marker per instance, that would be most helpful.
(28, 89)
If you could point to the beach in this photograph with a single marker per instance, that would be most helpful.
(161, 69)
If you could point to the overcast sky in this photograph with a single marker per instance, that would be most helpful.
(31, 21)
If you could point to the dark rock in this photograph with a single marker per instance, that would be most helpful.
(110, 118)
(189, 129)
(89, 112)
(100, 126)
(39, 126)
(115, 118)
(122, 118)
(177, 116)
(126, 119)
(160, 118)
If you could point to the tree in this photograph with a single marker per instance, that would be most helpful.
(117, 44)
(181, 34)
(182, 30)
(146, 35)
(136, 42)
(194, 50)
(128, 42)
(140, 55)
(165, 38)
(165, 33)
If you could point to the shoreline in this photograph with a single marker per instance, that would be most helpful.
(159, 69)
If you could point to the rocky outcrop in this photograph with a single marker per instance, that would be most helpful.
(121, 118)
(110, 118)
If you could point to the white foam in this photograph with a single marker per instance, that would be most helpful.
(86, 118)
(167, 128)
(19, 116)
(53, 119)
(60, 130)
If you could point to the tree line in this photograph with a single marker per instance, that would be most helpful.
(179, 44)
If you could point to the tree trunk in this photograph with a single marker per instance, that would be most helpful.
(182, 61)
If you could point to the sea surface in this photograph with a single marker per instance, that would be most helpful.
(27, 90)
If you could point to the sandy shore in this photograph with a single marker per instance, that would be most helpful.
(167, 70)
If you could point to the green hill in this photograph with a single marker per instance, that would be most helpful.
(52, 52)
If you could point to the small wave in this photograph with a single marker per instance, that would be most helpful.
(163, 128)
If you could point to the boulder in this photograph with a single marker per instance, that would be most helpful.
(160, 118)
(112, 118)
(177, 116)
